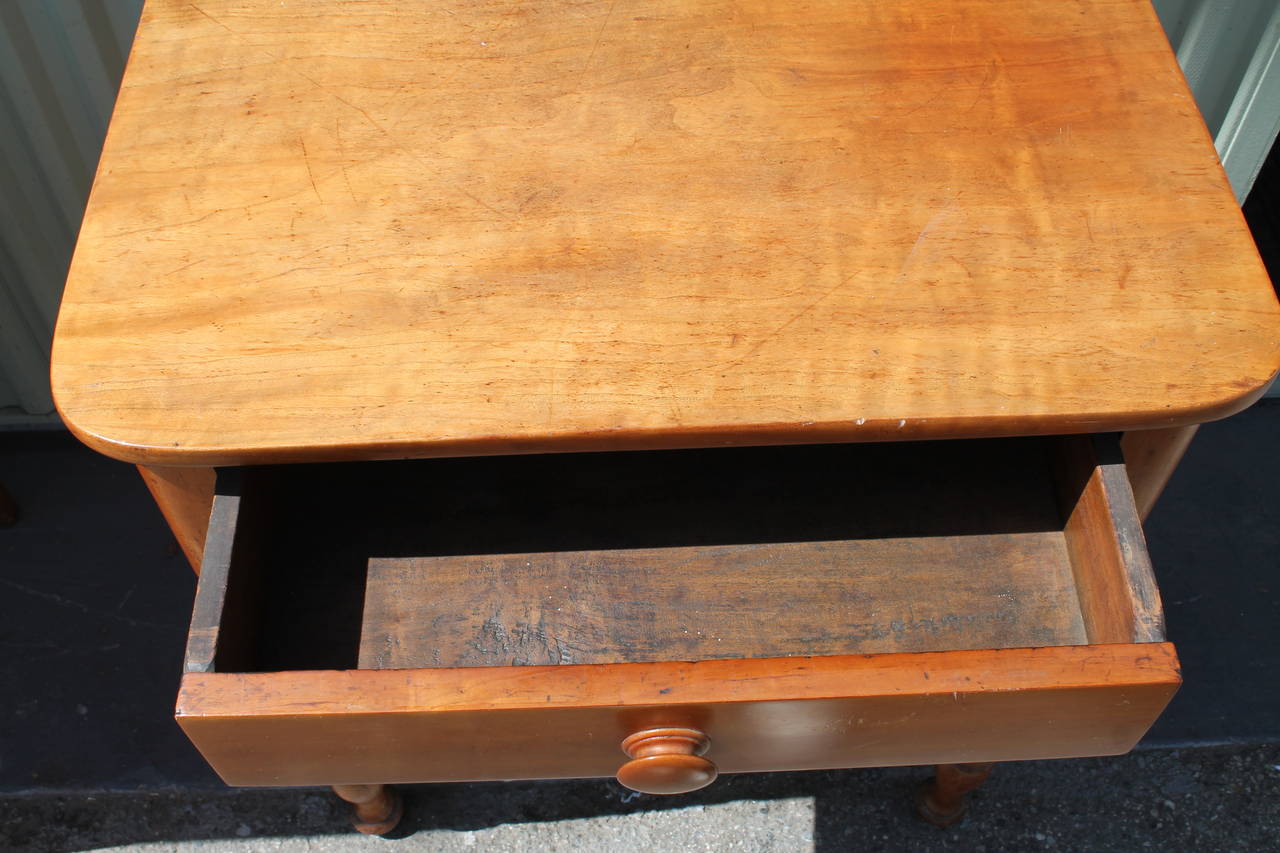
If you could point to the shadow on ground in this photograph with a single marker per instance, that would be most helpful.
(1217, 799)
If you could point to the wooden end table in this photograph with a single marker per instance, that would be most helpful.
(751, 255)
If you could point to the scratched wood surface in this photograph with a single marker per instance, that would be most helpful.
(333, 230)
(737, 601)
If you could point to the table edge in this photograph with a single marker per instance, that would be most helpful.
(668, 437)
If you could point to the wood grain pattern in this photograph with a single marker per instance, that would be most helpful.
(359, 726)
(1151, 456)
(185, 498)
(733, 601)
(1119, 599)
(226, 619)
(341, 230)
(211, 609)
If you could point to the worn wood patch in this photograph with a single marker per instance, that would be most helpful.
(735, 601)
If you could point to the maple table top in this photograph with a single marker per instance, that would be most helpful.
(344, 230)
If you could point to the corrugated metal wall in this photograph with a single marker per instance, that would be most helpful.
(61, 61)
(1230, 52)
(60, 66)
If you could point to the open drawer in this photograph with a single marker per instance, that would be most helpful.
(776, 608)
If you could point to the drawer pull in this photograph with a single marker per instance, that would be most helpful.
(666, 761)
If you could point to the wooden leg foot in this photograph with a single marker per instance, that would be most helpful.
(375, 809)
(941, 800)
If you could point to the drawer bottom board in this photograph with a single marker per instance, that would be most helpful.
(930, 593)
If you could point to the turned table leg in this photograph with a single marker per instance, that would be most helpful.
(376, 809)
(941, 800)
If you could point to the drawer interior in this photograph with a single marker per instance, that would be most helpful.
(673, 556)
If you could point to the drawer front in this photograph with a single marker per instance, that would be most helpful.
(365, 726)
(816, 651)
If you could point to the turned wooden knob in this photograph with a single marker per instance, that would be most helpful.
(666, 761)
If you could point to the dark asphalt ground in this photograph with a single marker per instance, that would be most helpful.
(1208, 799)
